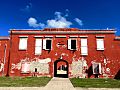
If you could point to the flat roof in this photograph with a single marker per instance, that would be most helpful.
(62, 31)
(4, 38)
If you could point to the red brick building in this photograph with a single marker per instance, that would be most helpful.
(4, 55)
(62, 52)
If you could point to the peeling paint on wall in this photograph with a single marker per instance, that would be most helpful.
(78, 68)
(1, 66)
(39, 65)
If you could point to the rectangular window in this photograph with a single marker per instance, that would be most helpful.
(47, 44)
(100, 44)
(71, 44)
(84, 49)
(38, 46)
(96, 68)
(25, 67)
(23, 43)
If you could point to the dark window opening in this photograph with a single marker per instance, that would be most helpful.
(35, 69)
(73, 44)
(96, 69)
(48, 44)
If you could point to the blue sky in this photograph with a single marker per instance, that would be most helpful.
(82, 14)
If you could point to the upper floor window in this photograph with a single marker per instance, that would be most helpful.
(72, 44)
(23, 43)
(38, 46)
(100, 44)
(84, 48)
(47, 44)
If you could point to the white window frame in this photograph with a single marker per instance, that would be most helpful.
(100, 43)
(93, 68)
(69, 43)
(84, 46)
(23, 43)
(44, 43)
(38, 46)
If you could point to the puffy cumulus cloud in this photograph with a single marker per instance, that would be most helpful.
(79, 21)
(59, 21)
(33, 23)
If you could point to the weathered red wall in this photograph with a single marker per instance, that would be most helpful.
(111, 53)
(4, 58)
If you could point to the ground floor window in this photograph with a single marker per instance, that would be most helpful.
(96, 67)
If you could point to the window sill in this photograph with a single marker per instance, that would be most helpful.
(73, 49)
(84, 54)
(100, 49)
(22, 49)
(37, 54)
(48, 49)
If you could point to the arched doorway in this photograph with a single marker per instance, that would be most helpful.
(61, 68)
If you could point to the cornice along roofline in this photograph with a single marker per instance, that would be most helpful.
(62, 31)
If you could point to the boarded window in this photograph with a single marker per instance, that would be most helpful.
(23, 43)
(38, 46)
(71, 44)
(84, 49)
(96, 68)
(100, 44)
(25, 67)
(47, 44)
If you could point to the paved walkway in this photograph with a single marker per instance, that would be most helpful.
(59, 84)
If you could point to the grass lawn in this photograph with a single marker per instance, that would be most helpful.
(95, 83)
(23, 82)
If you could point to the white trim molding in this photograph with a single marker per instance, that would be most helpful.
(38, 36)
(60, 36)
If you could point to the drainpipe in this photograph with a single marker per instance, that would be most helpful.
(10, 42)
(5, 47)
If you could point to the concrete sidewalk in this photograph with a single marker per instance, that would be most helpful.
(59, 84)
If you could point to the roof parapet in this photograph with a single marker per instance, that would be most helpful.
(117, 38)
(62, 31)
(4, 38)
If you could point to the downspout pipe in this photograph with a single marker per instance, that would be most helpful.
(4, 60)
(10, 42)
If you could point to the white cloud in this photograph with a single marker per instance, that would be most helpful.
(59, 21)
(78, 21)
(33, 23)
